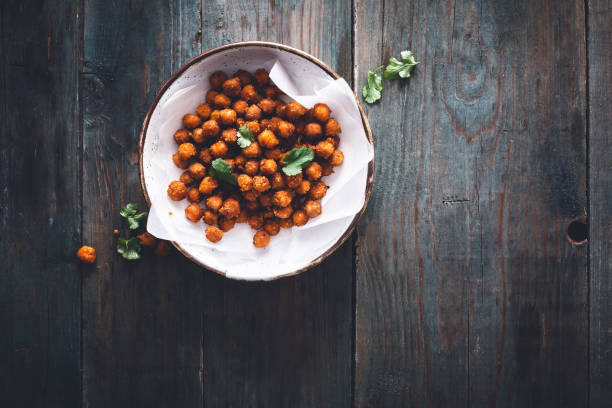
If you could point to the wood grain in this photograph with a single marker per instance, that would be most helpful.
(468, 292)
(141, 320)
(600, 197)
(285, 343)
(40, 207)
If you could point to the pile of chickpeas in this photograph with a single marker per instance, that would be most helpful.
(264, 197)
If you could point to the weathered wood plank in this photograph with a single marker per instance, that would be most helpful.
(285, 343)
(141, 320)
(600, 197)
(40, 204)
(468, 292)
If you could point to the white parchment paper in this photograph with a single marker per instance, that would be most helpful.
(291, 249)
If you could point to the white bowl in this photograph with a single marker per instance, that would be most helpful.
(293, 250)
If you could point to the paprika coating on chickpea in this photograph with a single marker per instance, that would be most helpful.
(232, 175)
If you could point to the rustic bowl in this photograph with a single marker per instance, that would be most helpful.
(306, 59)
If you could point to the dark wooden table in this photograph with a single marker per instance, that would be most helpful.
(460, 287)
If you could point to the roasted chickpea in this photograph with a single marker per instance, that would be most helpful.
(242, 217)
(303, 188)
(214, 234)
(177, 190)
(265, 123)
(294, 111)
(253, 126)
(266, 199)
(240, 160)
(332, 128)
(203, 111)
(312, 208)
(253, 112)
(245, 182)
(299, 218)
(282, 198)
(267, 106)
(86, 254)
(336, 158)
(272, 227)
(222, 101)
(285, 129)
(240, 107)
(283, 212)
(313, 171)
(261, 239)
(262, 78)
(214, 202)
(191, 121)
(193, 195)
(186, 178)
(178, 162)
(267, 167)
(232, 87)
(244, 76)
(273, 124)
(267, 139)
(286, 222)
(249, 94)
(215, 114)
(210, 217)
(251, 167)
(186, 151)
(321, 112)
(252, 151)
(318, 190)
(216, 80)
(261, 183)
(230, 208)
(198, 135)
(313, 130)
(147, 240)
(182, 136)
(229, 135)
(193, 212)
(205, 155)
(208, 185)
(226, 223)
(326, 169)
(277, 181)
(272, 92)
(197, 170)
(210, 96)
(293, 181)
(219, 149)
(324, 149)
(256, 221)
(280, 109)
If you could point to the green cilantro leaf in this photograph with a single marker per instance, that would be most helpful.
(129, 213)
(245, 137)
(372, 90)
(221, 170)
(129, 248)
(401, 69)
(296, 160)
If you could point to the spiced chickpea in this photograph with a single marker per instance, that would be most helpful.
(245, 182)
(267, 167)
(249, 94)
(267, 139)
(210, 128)
(197, 171)
(324, 149)
(214, 234)
(336, 158)
(271, 92)
(222, 101)
(252, 151)
(226, 223)
(182, 136)
(177, 190)
(312, 208)
(227, 117)
(285, 222)
(285, 129)
(277, 181)
(303, 188)
(251, 167)
(242, 217)
(253, 112)
(203, 111)
(208, 185)
(232, 87)
(214, 115)
(214, 202)
(193, 212)
(191, 121)
(261, 239)
(251, 196)
(178, 162)
(283, 212)
(240, 107)
(272, 227)
(186, 151)
(317, 190)
(252, 205)
(332, 128)
(230, 208)
(261, 183)
(268, 213)
(266, 199)
(274, 154)
(218, 149)
(245, 77)
(186, 178)
(216, 80)
(267, 106)
(256, 220)
(282, 198)
(205, 155)
(198, 135)
(321, 112)
(210, 96)
(293, 181)
(147, 240)
(86, 254)
(313, 130)
(239, 161)
(231, 163)
(210, 217)
(326, 169)
(262, 78)
(294, 110)
(299, 218)
(193, 195)
(280, 109)
(313, 171)
(229, 135)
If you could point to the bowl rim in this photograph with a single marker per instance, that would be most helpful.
(316, 61)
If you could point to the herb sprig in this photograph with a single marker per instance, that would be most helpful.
(245, 137)
(129, 248)
(129, 212)
(222, 170)
(296, 160)
(372, 90)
